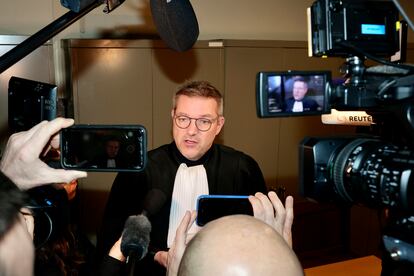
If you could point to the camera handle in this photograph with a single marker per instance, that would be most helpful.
(354, 93)
(354, 69)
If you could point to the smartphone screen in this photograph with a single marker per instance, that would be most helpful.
(103, 147)
(211, 207)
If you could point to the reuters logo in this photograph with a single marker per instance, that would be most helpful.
(360, 118)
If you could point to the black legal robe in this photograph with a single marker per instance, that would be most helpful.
(228, 172)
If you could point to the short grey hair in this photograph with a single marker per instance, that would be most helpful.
(200, 89)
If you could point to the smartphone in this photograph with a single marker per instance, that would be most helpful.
(106, 148)
(211, 207)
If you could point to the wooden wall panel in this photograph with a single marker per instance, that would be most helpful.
(243, 130)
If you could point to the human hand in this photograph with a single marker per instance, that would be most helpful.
(181, 240)
(161, 257)
(171, 259)
(274, 213)
(21, 160)
(116, 252)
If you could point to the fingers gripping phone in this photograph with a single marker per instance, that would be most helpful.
(104, 147)
(211, 207)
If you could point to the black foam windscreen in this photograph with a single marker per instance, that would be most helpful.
(136, 236)
(176, 23)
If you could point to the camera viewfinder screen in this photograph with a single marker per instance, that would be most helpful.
(292, 93)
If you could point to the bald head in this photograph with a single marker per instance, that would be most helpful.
(239, 245)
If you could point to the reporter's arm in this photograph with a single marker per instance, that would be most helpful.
(113, 263)
(116, 252)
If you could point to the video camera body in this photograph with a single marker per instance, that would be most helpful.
(354, 30)
(375, 168)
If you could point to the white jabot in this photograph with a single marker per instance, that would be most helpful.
(297, 106)
(189, 184)
(110, 163)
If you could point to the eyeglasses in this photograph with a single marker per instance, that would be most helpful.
(202, 124)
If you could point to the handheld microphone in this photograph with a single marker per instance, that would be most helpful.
(176, 23)
(135, 237)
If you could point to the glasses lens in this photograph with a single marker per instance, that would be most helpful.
(182, 121)
(203, 124)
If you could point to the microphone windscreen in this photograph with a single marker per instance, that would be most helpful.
(136, 236)
(176, 23)
(153, 202)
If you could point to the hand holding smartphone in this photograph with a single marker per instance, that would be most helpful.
(211, 207)
(104, 148)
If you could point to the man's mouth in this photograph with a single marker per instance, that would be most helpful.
(190, 142)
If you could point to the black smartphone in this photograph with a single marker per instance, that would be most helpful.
(106, 148)
(211, 207)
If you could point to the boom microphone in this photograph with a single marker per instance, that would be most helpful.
(136, 237)
(176, 23)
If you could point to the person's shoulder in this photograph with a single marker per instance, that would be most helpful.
(231, 152)
(161, 157)
(153, 156)
(290, 100)
(160, 151)
(236, 160)
(227, 149)
(309, 100)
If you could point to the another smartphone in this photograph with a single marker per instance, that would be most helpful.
(211, 207)
(106, 148)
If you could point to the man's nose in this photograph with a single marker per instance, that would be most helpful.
(192, 128)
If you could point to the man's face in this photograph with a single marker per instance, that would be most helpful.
(300, 89)
(112, 148)
(191, 142)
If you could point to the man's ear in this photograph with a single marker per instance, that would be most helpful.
(172, 113)
(220, 124)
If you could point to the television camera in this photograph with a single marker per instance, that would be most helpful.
(375, 167)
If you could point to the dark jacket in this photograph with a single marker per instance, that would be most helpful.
(308, 104)
(228, 172)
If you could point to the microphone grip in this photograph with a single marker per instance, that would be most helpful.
(131, 261)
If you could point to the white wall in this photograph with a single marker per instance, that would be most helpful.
(229, 19)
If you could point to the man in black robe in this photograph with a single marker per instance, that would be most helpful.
(299, 102)
(197, 117)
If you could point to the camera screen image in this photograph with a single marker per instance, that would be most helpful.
(290, 93)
